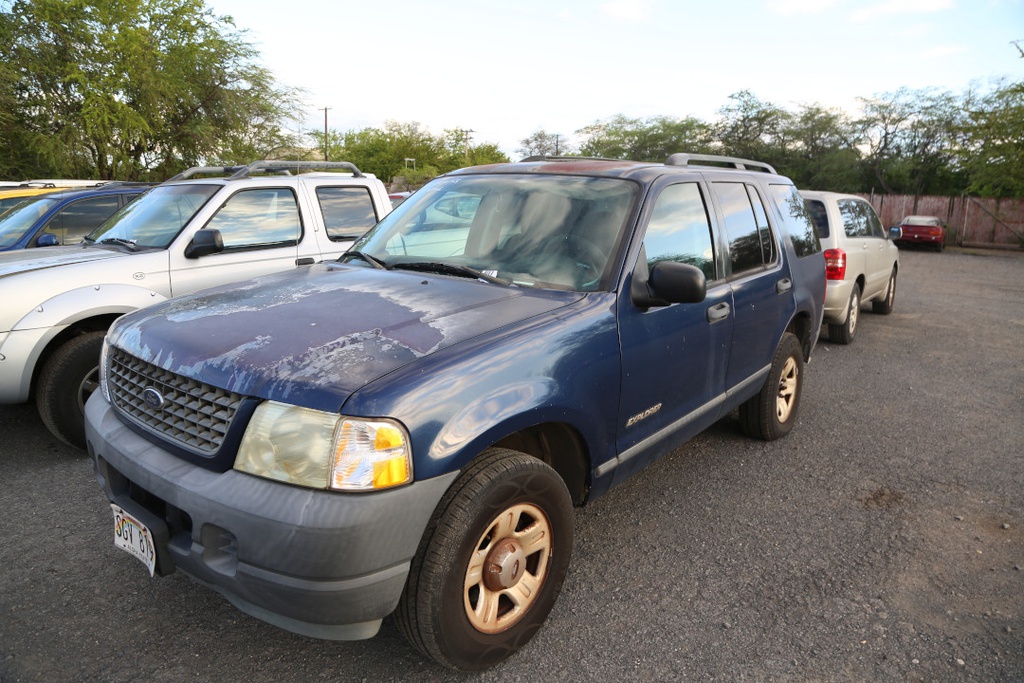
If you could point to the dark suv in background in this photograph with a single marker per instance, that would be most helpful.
(63, 217)
(406, 430)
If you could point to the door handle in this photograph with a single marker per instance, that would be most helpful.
(783, 285)
(307, 261)
(718, 312)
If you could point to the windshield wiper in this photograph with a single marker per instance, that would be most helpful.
(452, 269)
(372, 260)
(120, 241)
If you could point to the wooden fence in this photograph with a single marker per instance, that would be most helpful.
(970, 221)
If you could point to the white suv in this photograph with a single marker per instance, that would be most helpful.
(184, 235)
(861, 260)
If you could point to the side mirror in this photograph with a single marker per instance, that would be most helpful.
(205, 242)
(671, 282)
(895, 232)
(47, 239)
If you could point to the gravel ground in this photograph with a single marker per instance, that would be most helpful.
(883, 540)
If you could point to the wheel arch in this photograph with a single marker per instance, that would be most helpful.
(805, 331)
(561, 447)
(97, 323)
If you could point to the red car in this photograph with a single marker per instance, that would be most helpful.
(922, 230)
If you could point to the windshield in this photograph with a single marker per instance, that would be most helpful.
(154, 219)
(560, 232)
(19, 219)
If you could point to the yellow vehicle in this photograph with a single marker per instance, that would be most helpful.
(13, 195)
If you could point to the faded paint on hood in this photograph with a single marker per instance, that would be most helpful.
(27, 260)
(313, 336)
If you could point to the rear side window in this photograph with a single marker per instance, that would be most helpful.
(259, 218)
(679, 229)
(804, 220)
(348, 211)
(751, 246)
(860, 219)
(856, 217)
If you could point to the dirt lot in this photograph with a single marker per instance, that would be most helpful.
(883, 540)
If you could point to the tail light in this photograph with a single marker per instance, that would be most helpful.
(835, 264)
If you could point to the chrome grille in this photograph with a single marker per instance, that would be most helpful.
(193, 414)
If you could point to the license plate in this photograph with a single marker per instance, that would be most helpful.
(134, 538)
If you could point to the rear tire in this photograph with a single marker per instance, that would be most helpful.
(844, 332)
(772, 413)
(491, 562)
(884, 307)
(65, 383)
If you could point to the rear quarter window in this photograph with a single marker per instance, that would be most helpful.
(348, 211)
(801, 219)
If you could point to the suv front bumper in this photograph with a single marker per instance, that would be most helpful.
(323, 564)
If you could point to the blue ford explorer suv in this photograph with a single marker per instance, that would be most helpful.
(406, 430)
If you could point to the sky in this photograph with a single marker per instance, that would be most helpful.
(505, 70)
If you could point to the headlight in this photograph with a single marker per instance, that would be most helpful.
(104, 358)
(324, 450)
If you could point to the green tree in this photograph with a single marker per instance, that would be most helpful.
(542, 143)
(751, 129)
(652, 139)
(822, 152)
(459, 151)
(913, 138)
(129, 88)
(406, 150)
(993, 151)
(993, 141)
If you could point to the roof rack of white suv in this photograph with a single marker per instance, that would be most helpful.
(684, 159)
(205, 170)
(285, 167)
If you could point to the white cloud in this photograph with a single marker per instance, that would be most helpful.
(942, 51)
(890, 7)
(627, 10)
(800, 7)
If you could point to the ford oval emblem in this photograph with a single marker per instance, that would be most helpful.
(153, 398)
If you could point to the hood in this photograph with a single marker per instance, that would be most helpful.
(27, 260)
(313, 336)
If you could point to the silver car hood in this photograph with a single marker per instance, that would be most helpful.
(28, 260)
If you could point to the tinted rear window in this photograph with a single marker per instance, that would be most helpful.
(818, 215)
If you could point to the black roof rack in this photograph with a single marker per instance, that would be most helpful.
(205, 170)
(684, 159)
(284, 167)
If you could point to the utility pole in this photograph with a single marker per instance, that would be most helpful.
(465, 137)
(556, 143)
(325, 110)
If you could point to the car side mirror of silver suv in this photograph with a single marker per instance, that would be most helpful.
(205, 242)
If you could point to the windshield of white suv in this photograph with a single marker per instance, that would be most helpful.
(560, 232)
(153, 220)
(19, 219)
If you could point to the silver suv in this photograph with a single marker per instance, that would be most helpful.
(861, 260)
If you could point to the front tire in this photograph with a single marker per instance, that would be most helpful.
(772, 413)
(65, 383)
(844, 332)
(491, 562)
